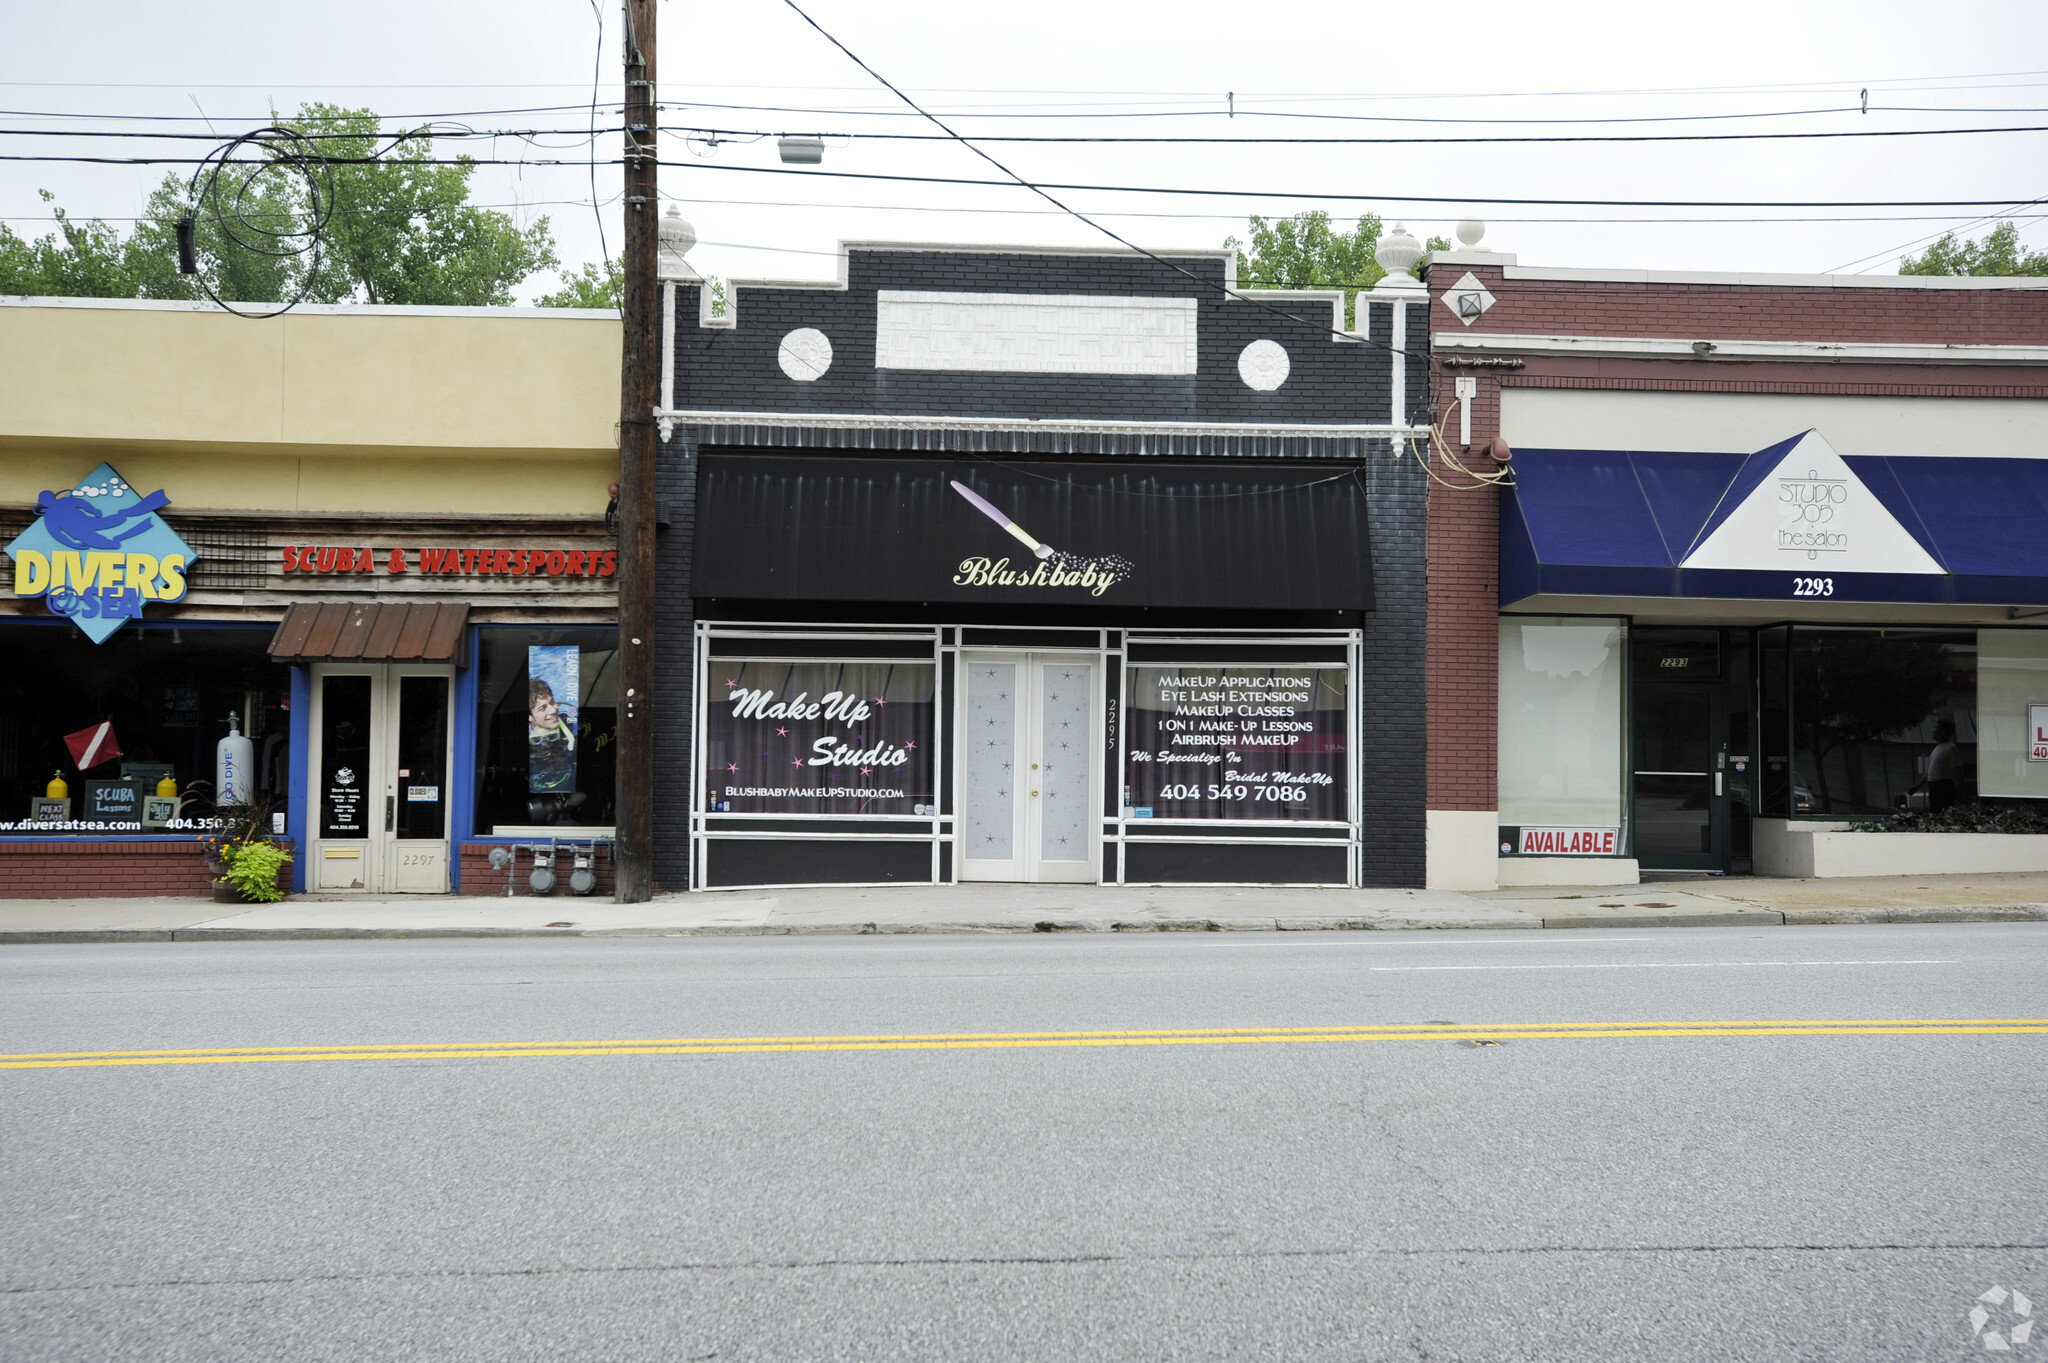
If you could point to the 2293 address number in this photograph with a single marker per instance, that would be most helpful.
(1813, 586)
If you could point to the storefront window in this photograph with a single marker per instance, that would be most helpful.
(1561, 723)
(1882, 719)
(788, 736)
(2012, 713)
(547, 720)
(165, 693)
(1259, 741)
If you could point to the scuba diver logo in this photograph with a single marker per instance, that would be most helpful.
(96, 553)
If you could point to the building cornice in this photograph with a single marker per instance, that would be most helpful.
(859, 421)
(1666, 348)
(1762, 280)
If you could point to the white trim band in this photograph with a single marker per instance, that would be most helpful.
(858, 421)
(1650, 347)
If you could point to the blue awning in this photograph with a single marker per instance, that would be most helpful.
(1791, 521)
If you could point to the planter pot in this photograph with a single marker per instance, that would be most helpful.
(227, 892)
(1800, 848)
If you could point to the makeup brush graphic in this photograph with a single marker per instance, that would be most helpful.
(988, 509)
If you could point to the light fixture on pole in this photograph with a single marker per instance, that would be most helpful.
(800, 150)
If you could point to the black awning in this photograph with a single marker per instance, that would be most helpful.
(1235, 537)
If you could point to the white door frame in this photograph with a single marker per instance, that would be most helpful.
(382, 862)
(1027, 862)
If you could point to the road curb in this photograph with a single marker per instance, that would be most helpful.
(1987, 913)
(1736, 919)
(1932, 913)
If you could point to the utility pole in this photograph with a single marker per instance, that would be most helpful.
(638, 387)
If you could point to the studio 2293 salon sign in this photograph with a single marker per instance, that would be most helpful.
(99, 552)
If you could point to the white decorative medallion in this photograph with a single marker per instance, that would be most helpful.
(1468, 299)
(1263, 365)
(1812, 514)
(1024, 333)
(805, 354)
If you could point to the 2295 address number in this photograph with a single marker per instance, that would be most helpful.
(1813, 586)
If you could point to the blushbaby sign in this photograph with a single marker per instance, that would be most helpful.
(96, 553)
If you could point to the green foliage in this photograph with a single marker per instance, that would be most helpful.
(1961, 819)
(593, 286)
(2000, 253)
(402, 231)
(253, 870)
(1307, 252)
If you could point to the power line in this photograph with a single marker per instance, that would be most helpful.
(758, 134)
(1375, 198)
(1041, 192)
(1368, 141)
(1205, 192)
(1220, 112)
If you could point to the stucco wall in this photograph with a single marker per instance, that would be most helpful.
(324, 409)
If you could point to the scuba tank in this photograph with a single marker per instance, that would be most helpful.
(234, 767)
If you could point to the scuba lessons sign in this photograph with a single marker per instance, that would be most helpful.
(1265, 536)
(97, 552)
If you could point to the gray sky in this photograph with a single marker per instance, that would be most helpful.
(1084, 59)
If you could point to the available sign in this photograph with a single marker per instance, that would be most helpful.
(1559, 842)
(2037, 733)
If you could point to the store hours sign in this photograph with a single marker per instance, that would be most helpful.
(1237, 742)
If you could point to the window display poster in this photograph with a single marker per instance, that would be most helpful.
(787, 737)
(554, 682)
(1237, 742)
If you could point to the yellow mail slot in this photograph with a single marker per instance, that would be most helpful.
(340, 853)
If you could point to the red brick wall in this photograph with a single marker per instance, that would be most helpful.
(479, 877)
(1872, 315)
(1462, 667)
(1464, 527)
(88, 869)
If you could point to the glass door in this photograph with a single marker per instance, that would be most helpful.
(381, 797)
(1030, 779)
(1681, 777)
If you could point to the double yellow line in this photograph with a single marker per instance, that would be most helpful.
(980, 1041)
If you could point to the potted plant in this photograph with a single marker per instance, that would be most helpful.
(243, 858)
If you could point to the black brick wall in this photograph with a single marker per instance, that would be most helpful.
(1391, 710)
(675, 488)
(1330, 382)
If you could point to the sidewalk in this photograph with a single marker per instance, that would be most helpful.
(1721, 902)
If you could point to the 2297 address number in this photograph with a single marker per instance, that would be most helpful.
(1813, 586)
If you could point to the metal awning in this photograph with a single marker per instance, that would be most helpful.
(1794, 522)
(372, 632)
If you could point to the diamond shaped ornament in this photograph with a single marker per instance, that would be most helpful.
(1468, 299)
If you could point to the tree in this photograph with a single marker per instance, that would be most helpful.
(78, 258)
(2000, 253)
(593, 286)
(401, 230)
(1307, 252)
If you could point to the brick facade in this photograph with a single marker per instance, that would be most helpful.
(87, 868)
(1464, 533)
(480, 878)
(1333, 382)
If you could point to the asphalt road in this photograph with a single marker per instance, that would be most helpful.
(1162, 1189)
